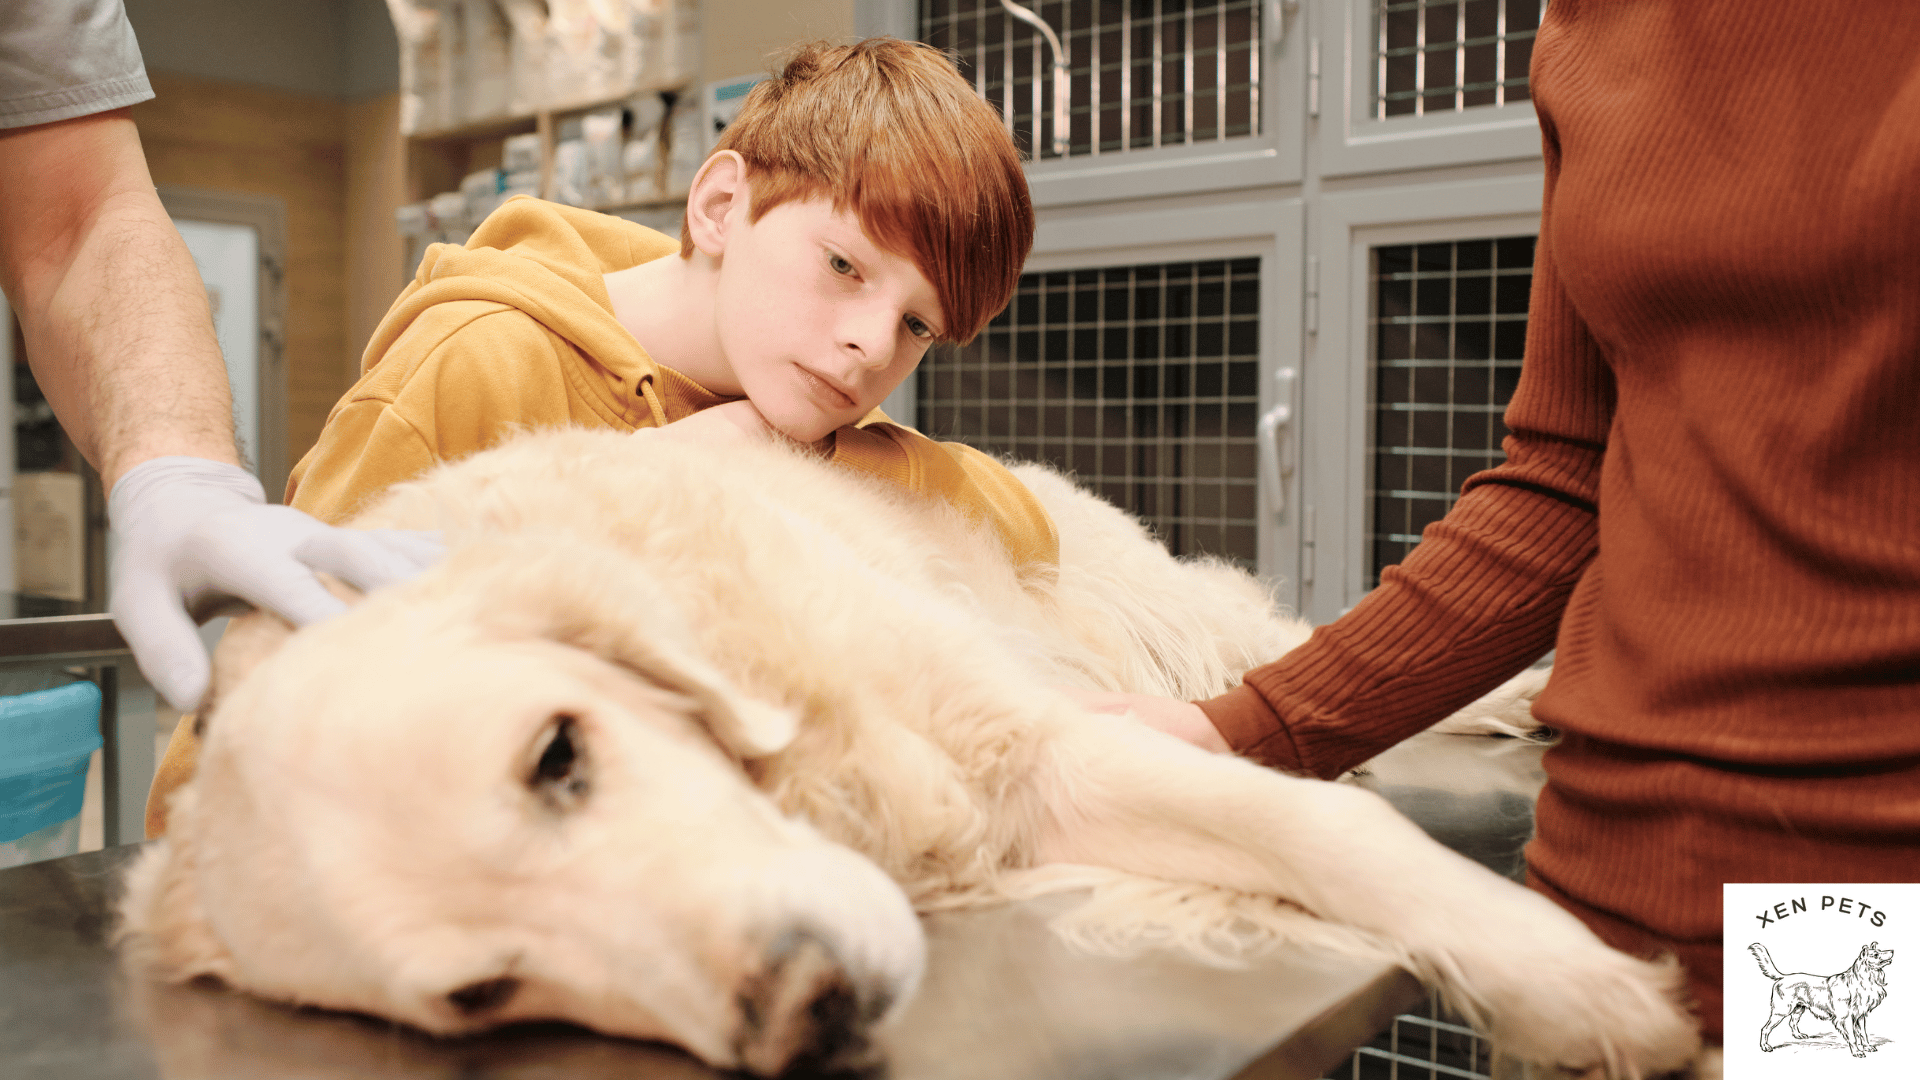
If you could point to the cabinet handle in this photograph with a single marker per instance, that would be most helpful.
(1275, 437)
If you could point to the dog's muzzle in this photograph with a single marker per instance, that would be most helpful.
(804, 1014)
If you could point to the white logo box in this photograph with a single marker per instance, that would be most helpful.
(1815, 935)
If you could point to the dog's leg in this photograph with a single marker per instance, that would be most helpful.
(1781, 1010)
(1120, 795)
(1840, 1015)
(1856, 1032)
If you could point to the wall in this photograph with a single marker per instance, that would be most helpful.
(743, 37)
(295, 99)
(225, 136)
(376, 186)
(294, 45)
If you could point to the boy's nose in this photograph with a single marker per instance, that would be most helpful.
(869, 340)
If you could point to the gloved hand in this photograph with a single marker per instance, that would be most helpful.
(193, 531)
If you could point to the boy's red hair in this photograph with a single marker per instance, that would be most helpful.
(889, 130)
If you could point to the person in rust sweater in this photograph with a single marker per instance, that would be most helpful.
(1712, 487)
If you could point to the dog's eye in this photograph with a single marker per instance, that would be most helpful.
(560, 777)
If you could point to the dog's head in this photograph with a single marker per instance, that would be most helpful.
(1874, 956)
(513, 790)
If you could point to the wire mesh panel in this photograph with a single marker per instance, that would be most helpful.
(1449, 329)
(1428, 1043)
(1447, 55)
(1143, 73)
(1141, 381)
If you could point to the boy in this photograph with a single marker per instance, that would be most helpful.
(863, 205)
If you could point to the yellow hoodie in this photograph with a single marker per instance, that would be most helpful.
(516, 330)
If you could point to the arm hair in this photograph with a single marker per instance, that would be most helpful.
(115, 317)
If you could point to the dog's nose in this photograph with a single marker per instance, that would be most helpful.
(803, 1014)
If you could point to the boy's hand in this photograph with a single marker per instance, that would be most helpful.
(722, 425)
(1182, 719)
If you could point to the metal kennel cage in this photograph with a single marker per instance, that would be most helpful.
(1450, 55)
(1141, 381)
(1449, 329)
(1426, 1043)
(1141, 73)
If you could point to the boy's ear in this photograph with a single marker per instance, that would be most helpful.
(719, 188)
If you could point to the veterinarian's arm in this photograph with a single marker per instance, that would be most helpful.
(121, 341)
(1481, 597)
(115, 318)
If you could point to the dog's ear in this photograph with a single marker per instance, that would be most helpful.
(749, 728)
(163, 929)
(249, 640)
(605, 603)
(251, 637)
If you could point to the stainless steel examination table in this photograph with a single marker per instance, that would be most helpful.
(1003, 1000)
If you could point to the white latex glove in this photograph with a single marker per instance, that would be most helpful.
(193, 533)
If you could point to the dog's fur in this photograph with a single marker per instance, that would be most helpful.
(676, 740)
(1843, 1000)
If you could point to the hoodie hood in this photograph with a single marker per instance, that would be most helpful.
(549, 261)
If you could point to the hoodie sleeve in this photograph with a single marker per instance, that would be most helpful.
(366, 448)
(463, 377)
(977, 485)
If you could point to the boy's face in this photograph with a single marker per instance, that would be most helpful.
(816, 321)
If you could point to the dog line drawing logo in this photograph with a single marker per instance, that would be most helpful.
(1843, 1000)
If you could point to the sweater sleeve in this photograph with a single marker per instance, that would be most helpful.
(974, 483)
(1482, 594)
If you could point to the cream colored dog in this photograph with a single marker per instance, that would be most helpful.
(677, 739)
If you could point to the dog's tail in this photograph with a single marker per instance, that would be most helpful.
(1759, 952)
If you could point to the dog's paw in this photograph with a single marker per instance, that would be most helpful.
(1506, 711)
(1594, 1008)
(1544, 989)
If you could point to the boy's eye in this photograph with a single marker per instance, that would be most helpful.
(839, 264)
(917, 328)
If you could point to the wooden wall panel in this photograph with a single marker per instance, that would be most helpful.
(757, 31)
(232, 137)
(376, 187)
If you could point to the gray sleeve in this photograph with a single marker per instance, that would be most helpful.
(65, 58)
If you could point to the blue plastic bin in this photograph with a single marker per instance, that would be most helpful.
(46, 738)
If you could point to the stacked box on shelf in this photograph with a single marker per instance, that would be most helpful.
(469, 62)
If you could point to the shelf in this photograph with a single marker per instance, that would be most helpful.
(674, 200)
(479, 130)
(520, 123)
(436, 161)
(646, 86)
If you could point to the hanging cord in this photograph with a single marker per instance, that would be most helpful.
(1061, 87)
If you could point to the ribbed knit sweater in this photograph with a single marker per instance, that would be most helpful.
(1712, 488)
